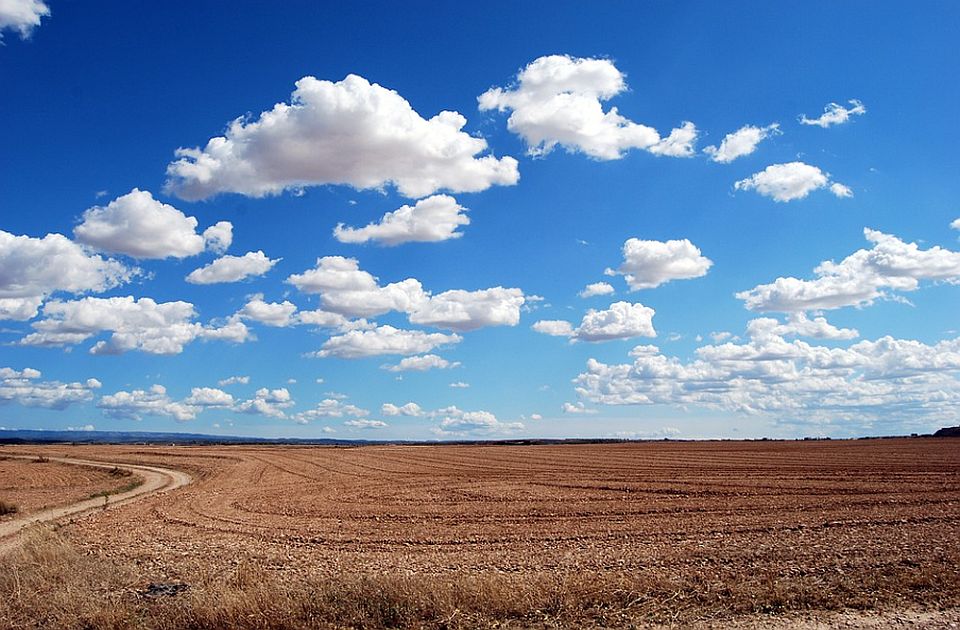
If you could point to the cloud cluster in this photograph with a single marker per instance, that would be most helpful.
(140, 226)
(558, 100)
(349, 132)
(24, 387)
(232, 268)
(430, 220)
(790, 181)
(135, 324)
(135, 404)
(33, 268)
(885, 378)
(21, 16)
(741, 142)
(346, 289)
(835, 114)
(622, 320)
(890, 265)
(330, 408)
(648, 264)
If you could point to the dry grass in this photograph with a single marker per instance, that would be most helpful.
(47, 583)
(7, 508)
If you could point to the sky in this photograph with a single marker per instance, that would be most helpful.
(422, 221)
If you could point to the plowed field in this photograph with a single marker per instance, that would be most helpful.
(664, 530)
(33, 485)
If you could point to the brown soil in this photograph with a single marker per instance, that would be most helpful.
(611, 534)
(33, 486)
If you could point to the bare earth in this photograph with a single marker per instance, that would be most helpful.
(32, 486)
(716, 534)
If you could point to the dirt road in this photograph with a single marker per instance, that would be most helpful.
(155, 479)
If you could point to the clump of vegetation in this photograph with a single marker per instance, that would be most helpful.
(7, 508)
(119, 472)
(41, 459)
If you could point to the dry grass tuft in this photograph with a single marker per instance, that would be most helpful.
(7, 508)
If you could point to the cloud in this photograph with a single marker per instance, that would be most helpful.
(144, 325)
(24, 387)
(209, 397)
(460, 385)
(421, 364)
(622, 320)
(410, 409)
(835, 114)
(887, 378)
(557, 100)
(366, 424)
(267, 402)
(790, 181)
(797, 324)
(454, 421)
(469, 310)
(133, 405)
(269, 313)
(138, 225)
(21, 16)
(84, 428)
(890, 265)
(233, 380)
(350, 132)
(577, 409)
(346, 289)
(648, 264)
(741, 142)
(597, 288)
(232, 268)
(680, 142)
(330, 408)
(955, 224)
(382, 340)
(430, 220)
(33, 268)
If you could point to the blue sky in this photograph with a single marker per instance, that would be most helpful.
(762, 199)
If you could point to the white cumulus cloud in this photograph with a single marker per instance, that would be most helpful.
(135, 324)
(597, 288)
(232, 268)
(348, 132)
(433, 219)
(558, 100)
(622, 320)
(383, 340)
(741, 142)
(410, 409)
(138, 225)
(648, 264)
(790, 181)
(422, 364)
(33, 268)
(24, 387)
(890, 265)
(21, 16)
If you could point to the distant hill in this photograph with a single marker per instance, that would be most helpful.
(948, 432)
(17, 436)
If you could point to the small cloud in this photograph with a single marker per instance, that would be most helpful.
(460, 385)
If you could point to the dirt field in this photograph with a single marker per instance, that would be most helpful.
(31, 485)
(611, 534)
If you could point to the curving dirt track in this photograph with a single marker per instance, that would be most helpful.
(154, 479)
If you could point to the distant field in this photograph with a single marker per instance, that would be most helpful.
(31, 485)
(442, 536)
